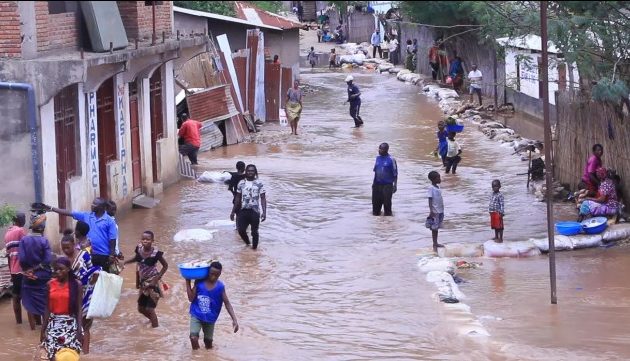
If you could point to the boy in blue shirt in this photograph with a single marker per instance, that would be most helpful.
(206, 299)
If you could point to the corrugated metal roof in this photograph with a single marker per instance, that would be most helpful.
(532, 42)
(223, 18)
(249, 12)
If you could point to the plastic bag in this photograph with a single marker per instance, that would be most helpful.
(194, 234)
(106, 295)
(510, 249)
(214, 177)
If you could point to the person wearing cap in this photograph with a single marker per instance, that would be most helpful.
(354, 98)
(190, 132)
(35, 258)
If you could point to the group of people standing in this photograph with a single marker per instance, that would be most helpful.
(56, 290)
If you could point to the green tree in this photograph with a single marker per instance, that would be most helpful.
(271, 6)
(7, 212)
(217, 7)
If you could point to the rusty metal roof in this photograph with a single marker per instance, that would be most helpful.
(251, 13)
(214, 16)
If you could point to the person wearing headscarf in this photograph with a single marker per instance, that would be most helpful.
(606, 203)
(62, 328)
(35, 257)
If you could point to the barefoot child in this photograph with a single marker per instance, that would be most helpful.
(497, 210)
(206, 299)
(436, 208)
(147, 257)
(452, 153)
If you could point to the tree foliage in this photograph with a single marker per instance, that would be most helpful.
(7, 212)
(217, 7)
(271, 6)
(591, 34)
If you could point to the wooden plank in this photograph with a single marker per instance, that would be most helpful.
(287, 83)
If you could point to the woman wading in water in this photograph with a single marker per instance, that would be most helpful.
(293, 107)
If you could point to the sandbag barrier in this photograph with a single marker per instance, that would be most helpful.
(536, 246)
(441, 273)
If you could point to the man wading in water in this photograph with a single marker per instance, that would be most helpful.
(385, 179)
(250, 196)
(354, 97)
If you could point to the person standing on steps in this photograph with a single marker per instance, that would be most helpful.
(385, 180)
(250, 198)
(190, 132)
(354, 98)
(376, 44)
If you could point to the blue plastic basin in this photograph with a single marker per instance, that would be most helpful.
(595, 225)
(193, 273)
(568, 228)
(454, 128)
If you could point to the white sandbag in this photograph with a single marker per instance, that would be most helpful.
(221, 224)
(428, 264)
(461, 250)
(510, 249)
(106, 295)
(195, 235)
(447, 288)
(617, 232)
(214, 177)
(352, 59)
(447, 94)
(586, 241)
(562, 243)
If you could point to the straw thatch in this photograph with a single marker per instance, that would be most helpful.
(583, 123)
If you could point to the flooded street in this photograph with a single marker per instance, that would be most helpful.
(332, 282)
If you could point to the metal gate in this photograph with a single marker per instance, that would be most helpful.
(136, 160)
(66, 135)
(157, 121)
(106, 125)
(272, 91)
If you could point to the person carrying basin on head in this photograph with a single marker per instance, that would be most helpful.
(251, 205)
(354, 98)
(385, 180)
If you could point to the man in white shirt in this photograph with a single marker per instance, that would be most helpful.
(475, 78)
(393, 50)
(376, 44)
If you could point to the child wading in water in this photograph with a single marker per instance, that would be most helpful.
(442, 147)
(206, 299)
(497, 210)
(436, 208)
(147, 257)
(452, 153)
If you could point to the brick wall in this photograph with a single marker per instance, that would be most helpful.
(10, 35)
(138, 18)
(55, 31)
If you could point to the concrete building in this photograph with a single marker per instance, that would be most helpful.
(79, 124)
(522, 73)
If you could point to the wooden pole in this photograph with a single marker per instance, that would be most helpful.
(153, 36)
(548, 148)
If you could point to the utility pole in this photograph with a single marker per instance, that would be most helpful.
(548, 150)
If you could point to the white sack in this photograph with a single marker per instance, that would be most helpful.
(510, 249)
(106, 295)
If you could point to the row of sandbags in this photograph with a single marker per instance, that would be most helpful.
(535, 246)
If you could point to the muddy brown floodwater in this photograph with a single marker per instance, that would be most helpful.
(331, 282)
